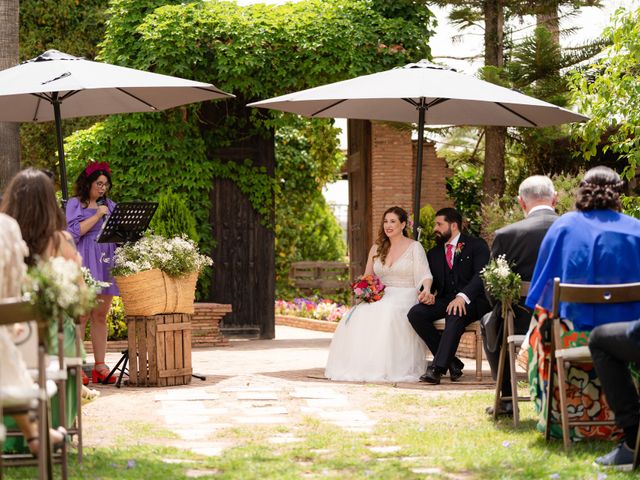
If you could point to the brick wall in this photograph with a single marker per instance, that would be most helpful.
(393, 163)
(205, 324)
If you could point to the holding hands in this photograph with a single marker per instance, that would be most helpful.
(426, 297)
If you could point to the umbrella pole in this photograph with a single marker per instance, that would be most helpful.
(422, 108)
(63, 169)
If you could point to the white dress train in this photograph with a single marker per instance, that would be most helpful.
(376, 341)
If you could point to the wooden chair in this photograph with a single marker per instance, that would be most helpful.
(474, 328)
(15, 310)
(510, 342)
(574, 293)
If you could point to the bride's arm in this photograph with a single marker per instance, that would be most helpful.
(369, 269)
(421, 271)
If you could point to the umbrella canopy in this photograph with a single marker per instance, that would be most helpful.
(422, 93)
(56, 85)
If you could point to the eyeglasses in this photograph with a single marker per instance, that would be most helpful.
(106, 185)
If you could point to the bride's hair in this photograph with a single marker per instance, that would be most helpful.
(383, 243)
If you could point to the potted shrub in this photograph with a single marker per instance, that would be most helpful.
(158, 274)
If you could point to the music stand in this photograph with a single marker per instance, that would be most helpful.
(127, 222)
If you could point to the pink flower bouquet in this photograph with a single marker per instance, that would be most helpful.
(368, 288)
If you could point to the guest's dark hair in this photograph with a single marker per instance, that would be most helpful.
(84, 181)
(451, 215)
(31, 200)
(600, 189)
(383, 241)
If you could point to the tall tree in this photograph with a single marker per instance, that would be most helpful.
(494, 16)
(9, 132)
(493, 183)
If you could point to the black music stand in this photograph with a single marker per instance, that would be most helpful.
(126, 223)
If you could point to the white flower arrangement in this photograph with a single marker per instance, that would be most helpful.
(56, 287)
(177, 256)
(500, 281)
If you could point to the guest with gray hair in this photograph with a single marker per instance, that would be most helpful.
(536, 189)
(519, 243)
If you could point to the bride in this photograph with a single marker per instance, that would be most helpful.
(375, 342)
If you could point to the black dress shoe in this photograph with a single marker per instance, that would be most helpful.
(505, 409)
(432, 375)
(455, 369)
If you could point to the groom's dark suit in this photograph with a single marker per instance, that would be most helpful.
(463, 277)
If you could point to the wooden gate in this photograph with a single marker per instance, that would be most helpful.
(244, 258)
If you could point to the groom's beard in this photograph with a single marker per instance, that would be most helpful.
(442, 238)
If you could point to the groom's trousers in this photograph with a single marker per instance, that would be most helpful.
(443, 345)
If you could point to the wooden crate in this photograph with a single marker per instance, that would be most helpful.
(160, 350)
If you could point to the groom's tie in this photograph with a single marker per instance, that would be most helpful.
(449, 255)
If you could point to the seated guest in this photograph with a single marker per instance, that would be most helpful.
(16, 385)
(613, 347)
(519, 243)
(594, 245)
(457, 294)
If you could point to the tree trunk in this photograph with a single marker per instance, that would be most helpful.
(493, 183)
(9, 132)
(548, 17)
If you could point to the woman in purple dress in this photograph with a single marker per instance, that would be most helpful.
(86, 212)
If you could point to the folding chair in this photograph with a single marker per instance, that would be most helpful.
(510, 342)
(14, 310)
(564, 357)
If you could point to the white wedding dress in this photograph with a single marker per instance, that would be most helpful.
(376, 342)
(16, 385)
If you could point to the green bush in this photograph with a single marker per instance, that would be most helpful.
(173, 217)
(427, 222)
(116, 321)
(631, 205)
(504, 211)
(464, 188)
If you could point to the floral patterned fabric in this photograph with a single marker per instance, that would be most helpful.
(585, 397)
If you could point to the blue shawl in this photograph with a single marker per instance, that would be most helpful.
(596, 247)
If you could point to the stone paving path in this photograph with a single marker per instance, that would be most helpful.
(263, 382)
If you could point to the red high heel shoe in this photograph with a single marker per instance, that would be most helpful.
(85, 379)
(102, 372)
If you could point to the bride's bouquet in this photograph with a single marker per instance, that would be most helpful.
(366, 288)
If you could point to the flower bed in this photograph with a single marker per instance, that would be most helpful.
(306, 323)
(316, 309)
(313, 314)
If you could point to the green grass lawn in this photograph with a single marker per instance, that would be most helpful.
(438, 437)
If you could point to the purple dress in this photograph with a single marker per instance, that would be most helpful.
(97, 257)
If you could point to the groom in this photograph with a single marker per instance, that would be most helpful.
(459, 297)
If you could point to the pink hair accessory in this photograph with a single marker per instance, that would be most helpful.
(95, 166)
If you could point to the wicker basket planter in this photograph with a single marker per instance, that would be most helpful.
(153, 292)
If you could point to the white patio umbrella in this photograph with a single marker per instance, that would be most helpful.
(56, 85)
(427, 94)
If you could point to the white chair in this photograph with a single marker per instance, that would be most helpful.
(15, 310)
